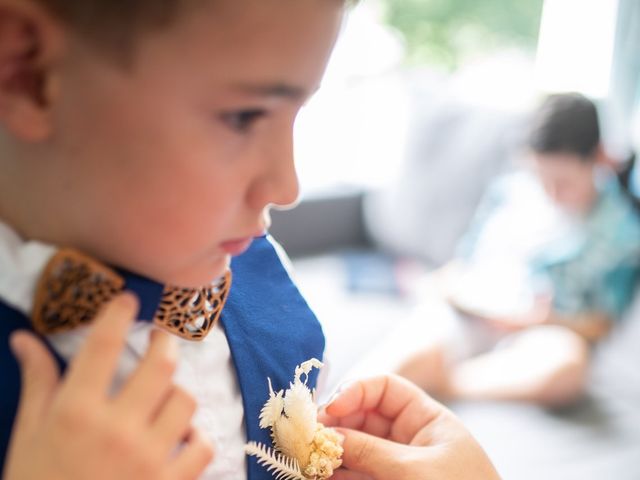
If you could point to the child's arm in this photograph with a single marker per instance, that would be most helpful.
(72, 429)
(591, 326)
(392, 429)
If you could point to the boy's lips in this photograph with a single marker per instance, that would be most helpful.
(236, 246)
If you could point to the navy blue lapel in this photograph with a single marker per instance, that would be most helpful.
(270, 330)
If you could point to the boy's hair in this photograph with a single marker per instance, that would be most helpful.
(113, 24)
(566, 123)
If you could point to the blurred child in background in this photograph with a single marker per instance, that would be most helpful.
(548, 265)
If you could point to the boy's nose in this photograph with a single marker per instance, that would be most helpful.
(553, 191)
(279, 185)
(285, 188)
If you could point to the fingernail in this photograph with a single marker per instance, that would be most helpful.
(343, 387)
(332, 398)
(15, 343)
(155, 332)
(128, 299)
(341, 436)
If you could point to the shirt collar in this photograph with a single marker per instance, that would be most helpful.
(21, 264)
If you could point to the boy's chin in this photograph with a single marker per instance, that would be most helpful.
(201, 275)
(575, 210)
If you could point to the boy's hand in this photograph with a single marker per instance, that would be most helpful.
(392, 429)
(71, 428)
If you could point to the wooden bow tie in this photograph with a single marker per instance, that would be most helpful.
(73, 288)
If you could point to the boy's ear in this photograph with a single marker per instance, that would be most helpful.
(603, 158)
(30, 43)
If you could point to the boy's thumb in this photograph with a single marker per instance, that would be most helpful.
(39, 374)
(373, 456)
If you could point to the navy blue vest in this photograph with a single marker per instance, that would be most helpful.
(269, 327)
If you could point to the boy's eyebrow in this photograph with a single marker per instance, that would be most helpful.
(282, 90)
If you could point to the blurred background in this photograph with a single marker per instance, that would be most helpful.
(425, 102)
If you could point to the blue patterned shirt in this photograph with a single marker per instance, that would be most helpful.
(588, 264)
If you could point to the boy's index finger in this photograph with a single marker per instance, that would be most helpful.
(94, 366)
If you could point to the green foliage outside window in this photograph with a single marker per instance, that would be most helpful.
(445, 32)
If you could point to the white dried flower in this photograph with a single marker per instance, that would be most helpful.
(272, 410)
(305, 449)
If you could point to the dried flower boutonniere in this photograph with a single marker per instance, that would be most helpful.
(304, 448)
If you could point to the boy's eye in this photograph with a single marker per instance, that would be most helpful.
(242, 120)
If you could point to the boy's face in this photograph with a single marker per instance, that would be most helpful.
(168, 169)
(567, 179)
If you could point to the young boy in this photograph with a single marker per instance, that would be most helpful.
(549, 264)
(142, 145)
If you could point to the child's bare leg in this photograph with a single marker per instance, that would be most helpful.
(415, 349)
(409, 353)
(426, 351)
(545, 365)
(427, 368)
